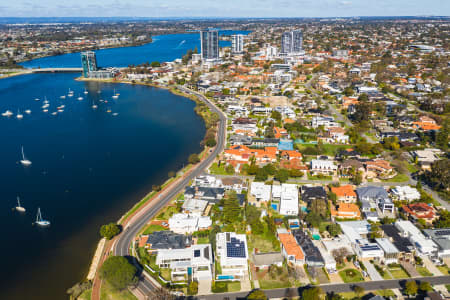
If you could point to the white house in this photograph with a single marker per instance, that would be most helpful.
(391, 253)
(323, 121)
(365, 249)
(196, 260)
(260, 191)
(188, 223)
(233, 254)
(424, 246)
(405, 193)
(323, 166)
(289, 199)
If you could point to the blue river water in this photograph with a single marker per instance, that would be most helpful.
(163, 48)
(89, 166)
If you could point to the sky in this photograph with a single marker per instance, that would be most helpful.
(222, 8)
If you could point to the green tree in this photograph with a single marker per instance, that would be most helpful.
(312, 293)
(425, 286)
(193, 288)
(155, 64)
(118, 272)
(257, 295)
(334, 229)
(282, 175)
(357, 179)
(411, 288)
(276, 115)
(261, 175)
(211, 142)
(193, 159)
(229, 169)
(231, 209)
(319, 207)
(109, 231)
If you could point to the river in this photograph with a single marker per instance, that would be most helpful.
(89, 166)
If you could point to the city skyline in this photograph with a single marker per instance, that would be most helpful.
(234, 8)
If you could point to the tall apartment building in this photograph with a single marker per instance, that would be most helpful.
(237, 43)
(88, 62)
(292, 42)
(209, 39)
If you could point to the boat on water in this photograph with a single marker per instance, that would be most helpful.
(28, 111)
(45, 105)
(7, 113)
(85, 92)
(115, 114)
(54, 113)
(62, 97)
(39, 220)
(94, 106)
(19, 115)
(80, 98)
(45, 110)
(19, 207)
(36, 99)
(24, 161)
(70, 94)
(60, 110)
(115, 95)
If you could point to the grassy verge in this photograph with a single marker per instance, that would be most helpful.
(225, 286)
(424, 271)
(398, 178)
(216, 170)
(398, 273)
(109, 293)
(152, 228)
(351, 275)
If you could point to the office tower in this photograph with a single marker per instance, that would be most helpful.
(237, 43)
(209, 39)
(291, 42)
(88, 62)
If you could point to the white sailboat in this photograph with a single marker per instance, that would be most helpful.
(19, 207)
(62, 97)
(80, 98)
(85, 92)
(39, 220)
(70, 94)
(24, 161)
(28, 111)
(115, 95)
(7, 113)
(19, 115)
(36, 99)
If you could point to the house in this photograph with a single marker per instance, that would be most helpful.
(426, 124)
(328, 259)
(233, 254)
(405, 193)
(404, 246)
(313, 257)
(423, 245)
(345, 211)
(366, 249)
(391, 253)
(379, 168)
(323, 121)
(344, 193)
(265, 142)
(441, 237)
(166, 240)
(240, 139)
(377, 195)
(210, 194)
(194, 206)
(290, 249)
(244, 124)
(336, 135)
(323, 167)
(188, 223)
(242, 153)
(420, 211)
(347, 167)
(196, 261)
(357, 232)
(261, 193)
(289, 199)
(265, 260)
(425, 158)
(310, 193)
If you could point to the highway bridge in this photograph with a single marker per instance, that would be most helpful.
(56, 70)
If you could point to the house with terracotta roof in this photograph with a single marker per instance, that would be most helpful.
(426, 124)
(345, 211)
(344, 194)
(418, 211)
(379, 168)
(291, 154)
(279, 132)
(243, 154)
(290, 249)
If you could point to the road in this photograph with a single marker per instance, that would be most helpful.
(336, 288)
(124, 240)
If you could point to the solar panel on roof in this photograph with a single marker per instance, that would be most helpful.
(196, 253)
(443, 232)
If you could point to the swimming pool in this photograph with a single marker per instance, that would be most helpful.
(222, 277)
(316, 237)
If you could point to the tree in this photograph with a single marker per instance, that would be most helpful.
(171, 174)
(231, 209)
(319, 207)
(109, 231)
(357, 179)
(312, 293)
(359, 290)
(118, 272)
(257, 295)
(156, 188)
(211, 142)
(276, 115)
(193, 159)
(340, 254)
(261, 175)
(229, 169)
(411, 288)
(155, 64)
(334, 229)
(425, 286)
(193, 288)
(282, 175)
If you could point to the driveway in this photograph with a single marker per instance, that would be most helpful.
(410, 269)
(431, 267)
(373, 273)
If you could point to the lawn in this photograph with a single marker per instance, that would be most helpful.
(411, 168)
(216, 170)
(225, 286)
(398, 272)
(153, 228)
(444, 269)
(319, 177)
(203, 240)
(167, 212)
(385, 293)
(351, 275)
(277, 280)
(86, 295)
(107, 292)
(424, 271)
(273, 284)
(398, 178)
(327, 149)
(263, 243)
(165, 273)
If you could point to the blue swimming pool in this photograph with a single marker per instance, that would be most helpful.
(222, 277)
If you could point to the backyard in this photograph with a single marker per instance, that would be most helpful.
(397, 271)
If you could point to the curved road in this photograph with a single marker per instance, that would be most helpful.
(124, 240)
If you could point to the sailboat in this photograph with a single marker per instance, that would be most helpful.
(70, 94)
(19, 115)
(39, 220)
(7, 113)
(24, 161)
(115, 96)
(28, 111)
(85, 92)
(19, 207)
(80, 98)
